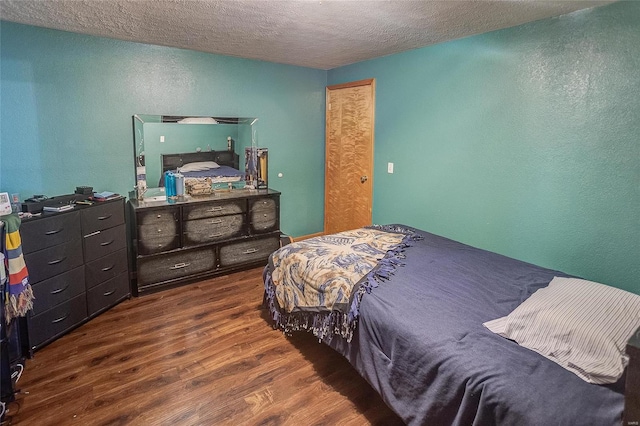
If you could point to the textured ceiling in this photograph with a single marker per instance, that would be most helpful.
(311, 33)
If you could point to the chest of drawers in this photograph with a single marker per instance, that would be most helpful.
(78, 267)
(173, 244)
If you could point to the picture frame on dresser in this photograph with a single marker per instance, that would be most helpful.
(179, 242)
(78, 268)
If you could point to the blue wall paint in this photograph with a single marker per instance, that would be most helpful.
(67, 101)
(524, 141)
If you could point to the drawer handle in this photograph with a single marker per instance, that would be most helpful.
(55, 231)
(55, 321)
(108, 268)
(106, 243)
(216, 209)
(215, 222)
(109, 293)
(92, 234)
(104, 217)
(250, 251)
(180, 265)
(55, 262)
(216, 235)
(60, 290)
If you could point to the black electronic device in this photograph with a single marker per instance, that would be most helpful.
(36, 198)
(84, 190)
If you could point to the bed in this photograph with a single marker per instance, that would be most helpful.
(214, 166)
(413, 327)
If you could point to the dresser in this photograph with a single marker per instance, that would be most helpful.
(78, 267)
(173, 243)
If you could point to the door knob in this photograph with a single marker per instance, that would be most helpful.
(363, 179)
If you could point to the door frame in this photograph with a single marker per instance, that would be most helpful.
(365, 82)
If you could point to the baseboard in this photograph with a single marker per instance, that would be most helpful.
(305, 237)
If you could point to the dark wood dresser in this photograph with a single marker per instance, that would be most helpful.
(78, 267)
(178, 242)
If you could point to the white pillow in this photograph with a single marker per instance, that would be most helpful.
(198, 166)
(582, 325)
(198, 120)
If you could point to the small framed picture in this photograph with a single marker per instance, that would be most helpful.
(5, 204)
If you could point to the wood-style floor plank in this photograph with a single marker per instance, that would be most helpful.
(201, 354)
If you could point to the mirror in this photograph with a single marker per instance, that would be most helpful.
(158, 137)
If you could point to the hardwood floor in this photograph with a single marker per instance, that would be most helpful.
(201, 354)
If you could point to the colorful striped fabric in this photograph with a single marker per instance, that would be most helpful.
(19, 295)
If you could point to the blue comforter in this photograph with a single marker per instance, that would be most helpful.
(421, 344)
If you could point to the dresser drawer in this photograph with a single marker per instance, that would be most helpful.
(105, 268)
(52, 261)
(57, 320)
(50, 231)
(263, 214)
(158, 217)
(56, 290)
(106, 294)
(249, 251)
(175, 265)
(156, 238)
(102, 216)
(213, 229)
(101, 243)
(223, 208)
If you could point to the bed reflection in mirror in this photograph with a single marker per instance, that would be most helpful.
(203, 149)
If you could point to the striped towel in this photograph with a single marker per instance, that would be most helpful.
(19, 295)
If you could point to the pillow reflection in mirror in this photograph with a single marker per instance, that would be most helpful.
(198, 120)
(198, 166)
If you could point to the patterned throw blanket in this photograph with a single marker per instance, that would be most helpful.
(317, 284)
(18, 294)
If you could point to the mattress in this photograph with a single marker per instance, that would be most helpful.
(421, 343)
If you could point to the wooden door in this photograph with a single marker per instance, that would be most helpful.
(349, 156)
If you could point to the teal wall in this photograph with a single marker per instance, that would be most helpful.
(524, 141)
(67, 101)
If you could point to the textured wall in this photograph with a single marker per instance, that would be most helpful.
(524, 141)
(67, 102)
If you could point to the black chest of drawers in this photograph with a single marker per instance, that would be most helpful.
(176, 243)
(78, 267)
